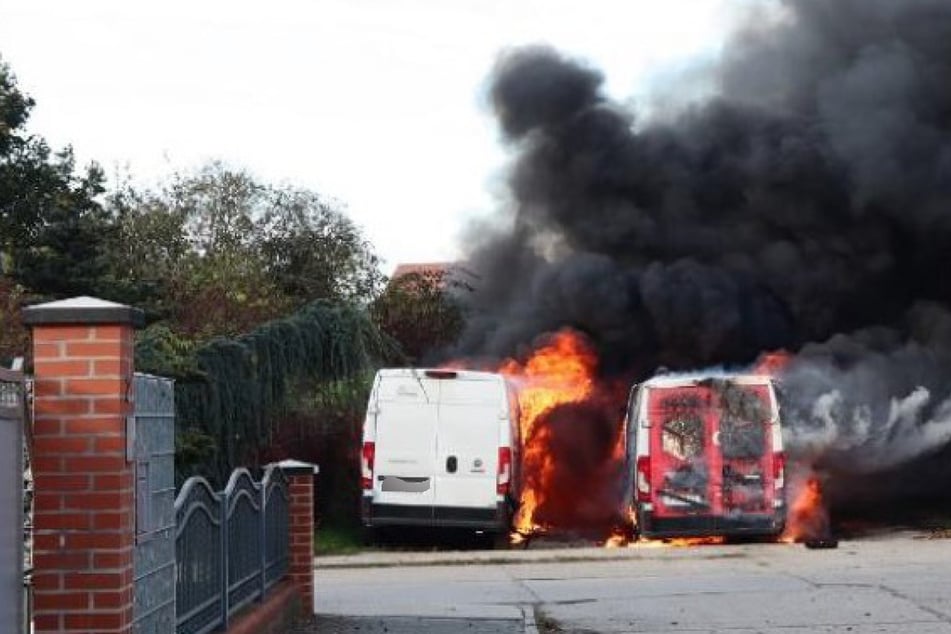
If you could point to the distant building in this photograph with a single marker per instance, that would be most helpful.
(452, 276)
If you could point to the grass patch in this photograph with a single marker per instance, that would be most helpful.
(337, 540)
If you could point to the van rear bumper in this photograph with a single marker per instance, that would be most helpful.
(709, 525)
(490, 519)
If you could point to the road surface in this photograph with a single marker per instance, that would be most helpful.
(898, 583)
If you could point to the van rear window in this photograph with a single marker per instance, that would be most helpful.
(682, 436)
(679, 412)
(442, 374)
(742, 413)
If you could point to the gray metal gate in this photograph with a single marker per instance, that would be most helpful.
(11, 499)
(152, 446)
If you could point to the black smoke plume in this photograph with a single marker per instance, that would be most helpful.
(805, 205)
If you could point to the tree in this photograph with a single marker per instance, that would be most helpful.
(313, 251)
(52, 229)
(13, 336)
(147, 247)
(217, 252)
(421, 312)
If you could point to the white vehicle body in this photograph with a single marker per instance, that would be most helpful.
(439, 449)
(705, 453)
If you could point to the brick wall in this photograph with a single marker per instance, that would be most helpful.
(84, 506)
(301, 569)
(278, 614)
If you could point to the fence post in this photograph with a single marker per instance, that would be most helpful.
(84, 524)
(263, 562)
(14, 590)
(300, 477)
(224, 559)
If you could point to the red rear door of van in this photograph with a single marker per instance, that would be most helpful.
(744, 440)
(683, 465)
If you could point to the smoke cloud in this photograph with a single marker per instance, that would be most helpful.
(805, 205)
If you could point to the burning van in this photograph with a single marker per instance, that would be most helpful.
(706, 454)
(440, 449)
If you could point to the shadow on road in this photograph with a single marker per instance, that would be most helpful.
(427, 539)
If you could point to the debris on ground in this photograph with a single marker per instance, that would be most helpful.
(939, 533)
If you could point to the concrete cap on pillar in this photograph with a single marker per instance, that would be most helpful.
(296, 467)
(83, 310)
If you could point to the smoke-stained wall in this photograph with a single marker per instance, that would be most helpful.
(806, 205)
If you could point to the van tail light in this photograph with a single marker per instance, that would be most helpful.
(369, 453)
(643, 479)
(779, 470)
(504, 478)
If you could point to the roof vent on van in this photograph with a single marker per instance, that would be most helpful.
(441, 374)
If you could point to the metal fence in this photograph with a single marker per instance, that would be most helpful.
(152, 442)
(231, 546)
(12, 545)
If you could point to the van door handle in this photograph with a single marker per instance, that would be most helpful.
(452, 464)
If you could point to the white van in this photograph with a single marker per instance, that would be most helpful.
(440, 449)
(706, 456)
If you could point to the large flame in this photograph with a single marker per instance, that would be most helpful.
(559, 372)
(807, 518)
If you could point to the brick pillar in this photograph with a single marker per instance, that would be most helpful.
(84, 521)
(301, 569)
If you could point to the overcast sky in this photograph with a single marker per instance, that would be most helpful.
(378, 103)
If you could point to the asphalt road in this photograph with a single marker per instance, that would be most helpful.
(891, 584)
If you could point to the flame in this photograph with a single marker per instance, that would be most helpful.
(618, 541)
(688, 542)
(561, 371)
(626, 536)
(807, 517)
(772, 363)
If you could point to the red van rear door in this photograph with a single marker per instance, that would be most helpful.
(744, 439)
(684, 462)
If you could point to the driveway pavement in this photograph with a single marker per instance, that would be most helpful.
(898, 583)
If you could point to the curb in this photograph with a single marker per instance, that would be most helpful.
(509, 558)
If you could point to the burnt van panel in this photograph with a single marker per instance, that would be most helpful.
(680, 437)
(745, 448)
(708, 457)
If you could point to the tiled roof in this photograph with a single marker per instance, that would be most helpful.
(422, 268)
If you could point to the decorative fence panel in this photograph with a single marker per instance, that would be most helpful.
(231, 546)
(276, 527)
